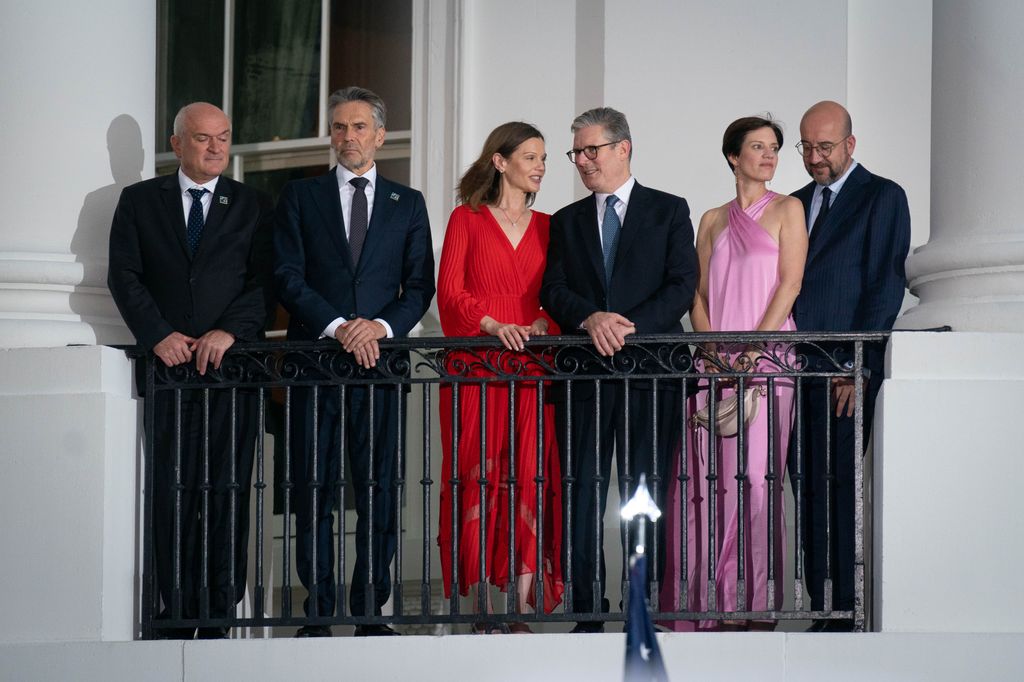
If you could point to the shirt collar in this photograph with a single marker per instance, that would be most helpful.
(622, 193)
(344, 175)
(838, 184)
(186, 183)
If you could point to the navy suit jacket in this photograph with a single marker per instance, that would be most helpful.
(317, 283)
(160, 288)
(655, 271)
(854, 278)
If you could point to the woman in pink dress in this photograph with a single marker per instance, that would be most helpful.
(489, 285)
(751, 252)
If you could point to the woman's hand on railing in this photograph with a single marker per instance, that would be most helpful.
(513, 336)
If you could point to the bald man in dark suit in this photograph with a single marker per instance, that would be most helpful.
(854, 280)
(190, 271)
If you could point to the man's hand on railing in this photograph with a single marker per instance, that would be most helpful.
(359, 337)
(608, 331)
(842, 394)
(175, 349)
(210, 348)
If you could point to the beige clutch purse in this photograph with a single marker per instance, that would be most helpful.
(727, 414)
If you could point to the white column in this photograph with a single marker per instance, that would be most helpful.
(78, 115)
(970, 274)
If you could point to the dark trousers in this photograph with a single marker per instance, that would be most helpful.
(364, 440)
(829, 536)
(222, 513)
(591, 469)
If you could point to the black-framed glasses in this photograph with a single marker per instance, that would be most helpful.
(590, 151)
(824, 148)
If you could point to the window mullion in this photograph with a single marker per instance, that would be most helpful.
(229, 56)
(325, 66)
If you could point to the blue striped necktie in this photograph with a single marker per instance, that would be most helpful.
(610, 228)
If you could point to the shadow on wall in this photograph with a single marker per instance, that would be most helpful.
(91, 299)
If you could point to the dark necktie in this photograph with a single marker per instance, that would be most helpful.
(610, 227)
(357, 219)
(826, 196)
(194, 227)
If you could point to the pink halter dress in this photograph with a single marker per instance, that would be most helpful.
(742, 277)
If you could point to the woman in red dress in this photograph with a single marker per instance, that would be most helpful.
(488, 285)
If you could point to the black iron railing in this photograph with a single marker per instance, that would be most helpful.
(257, 379)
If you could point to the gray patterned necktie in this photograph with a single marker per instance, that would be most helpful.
(357, 219)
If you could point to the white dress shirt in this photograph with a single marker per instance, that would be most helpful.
(816, 199)
(346, 191)
(186, 183)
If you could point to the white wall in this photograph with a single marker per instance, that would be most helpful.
(890, 97)
(518, 63)
(682, 71)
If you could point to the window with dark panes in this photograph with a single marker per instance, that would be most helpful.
(264, 63)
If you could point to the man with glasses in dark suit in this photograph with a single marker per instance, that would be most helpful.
(621, 261)
(854, 280)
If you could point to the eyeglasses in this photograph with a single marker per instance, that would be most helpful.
(824, 148)
(589, 151)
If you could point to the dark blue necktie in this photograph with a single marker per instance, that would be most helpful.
(195, 220)
(826, 204)
(610, 227)
(357, 223)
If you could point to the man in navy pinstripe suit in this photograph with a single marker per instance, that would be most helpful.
(854, 280)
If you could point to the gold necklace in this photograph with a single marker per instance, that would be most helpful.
(515, 225)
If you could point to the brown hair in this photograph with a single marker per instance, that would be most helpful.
(481, 183)
(732, 141)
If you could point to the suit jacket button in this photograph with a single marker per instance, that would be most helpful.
(351, 316)
(357, 281)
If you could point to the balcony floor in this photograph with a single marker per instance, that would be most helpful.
(712, 656)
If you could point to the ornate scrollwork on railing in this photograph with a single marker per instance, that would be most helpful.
(558, 358)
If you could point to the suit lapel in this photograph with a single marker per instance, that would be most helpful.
(636, 217)
(215, 217)
(847, 201)
(587, 231)
(328, 201)
(175, 217)
(386, 196)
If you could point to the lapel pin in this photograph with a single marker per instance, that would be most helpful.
(394, 196)
(224, 200)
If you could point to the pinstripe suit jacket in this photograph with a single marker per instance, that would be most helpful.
(854, 278)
